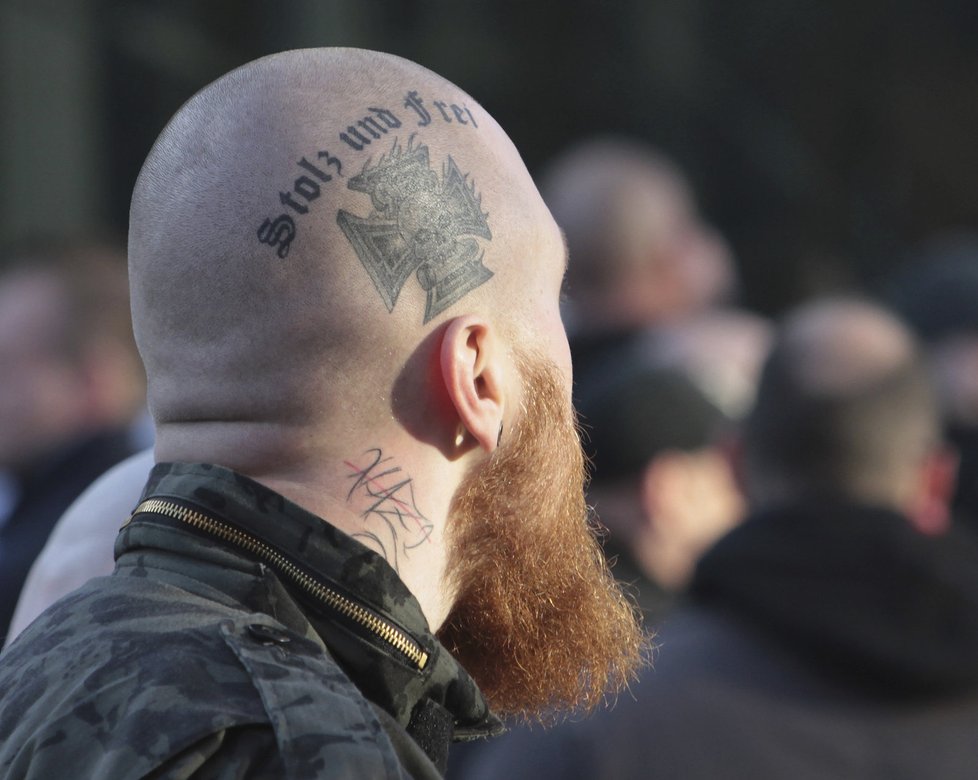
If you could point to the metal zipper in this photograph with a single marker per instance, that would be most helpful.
(333, 599)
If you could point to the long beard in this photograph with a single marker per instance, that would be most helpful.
(538, 620)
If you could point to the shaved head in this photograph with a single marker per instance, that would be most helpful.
(310, 210)
(844, 406)
(612, 199)
(338, 264)
(842, 346)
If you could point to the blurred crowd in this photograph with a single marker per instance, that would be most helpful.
(792, 503)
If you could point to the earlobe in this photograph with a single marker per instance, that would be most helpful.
(473, 369)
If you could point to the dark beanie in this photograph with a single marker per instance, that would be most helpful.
(636, 412)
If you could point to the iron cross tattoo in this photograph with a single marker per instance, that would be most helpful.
(386, 493)
(420, 224)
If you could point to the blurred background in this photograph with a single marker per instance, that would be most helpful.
(822, 138)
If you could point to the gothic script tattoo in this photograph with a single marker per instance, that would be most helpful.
(416, 103)
(306, 188)
(386, 493)
(419, 225)
(372, 126)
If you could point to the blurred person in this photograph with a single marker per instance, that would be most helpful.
(936, 292)
(834, 633)
(659, 415)
(366, 525)
(640, 253)
(80, 545)
(70, 385)
(721, 350)
(662, 483)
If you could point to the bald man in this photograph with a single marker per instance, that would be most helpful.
(834, 633)
(641, 253)
(70, 387)
(365, 534)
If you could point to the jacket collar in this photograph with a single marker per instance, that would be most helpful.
(414, 693)
(856, 590)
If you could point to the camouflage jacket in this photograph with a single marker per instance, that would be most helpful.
(239, 636)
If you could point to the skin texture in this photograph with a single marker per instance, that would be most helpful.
(336, 257)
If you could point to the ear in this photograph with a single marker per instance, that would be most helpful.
(931, 512)
(474, 366)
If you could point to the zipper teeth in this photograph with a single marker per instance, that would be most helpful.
(340, 603)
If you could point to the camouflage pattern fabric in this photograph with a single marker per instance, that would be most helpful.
(195, 659)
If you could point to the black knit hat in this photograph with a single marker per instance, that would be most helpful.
(635, 412)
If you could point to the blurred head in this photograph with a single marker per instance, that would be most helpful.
(640, 252)
(721, 351)
(662, 482)
(845, 408)
(336, 249)
(67, 359)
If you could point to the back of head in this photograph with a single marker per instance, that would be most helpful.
(844, 409)
(335, 255)
(301, 225)
(639, 251)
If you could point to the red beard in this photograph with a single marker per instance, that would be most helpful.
(538, 620)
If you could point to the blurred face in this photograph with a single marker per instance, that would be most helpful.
(691, 267)
(40, 395)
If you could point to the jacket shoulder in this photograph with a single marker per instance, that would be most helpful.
(122, 677)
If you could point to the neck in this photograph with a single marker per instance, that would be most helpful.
(394, 498)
